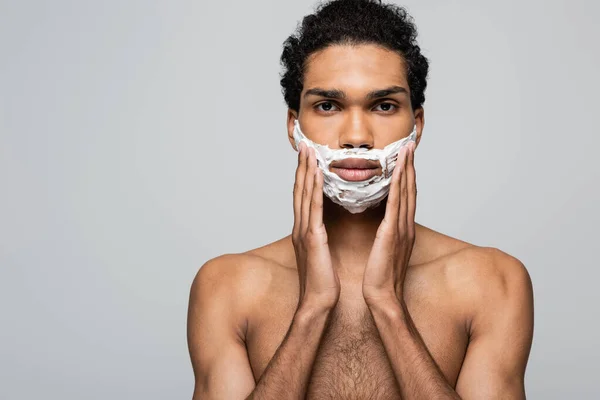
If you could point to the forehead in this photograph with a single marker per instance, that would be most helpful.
(354, 67)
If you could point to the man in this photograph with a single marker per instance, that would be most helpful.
(366, 305)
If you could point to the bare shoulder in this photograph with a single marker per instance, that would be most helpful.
(222, 297)
(476, 278)
(237, 276)
(486, 272)
(489, 285)
(466, 266)
(237, 281)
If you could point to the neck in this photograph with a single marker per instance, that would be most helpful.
(351, 236)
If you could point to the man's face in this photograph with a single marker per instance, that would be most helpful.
(355, 96)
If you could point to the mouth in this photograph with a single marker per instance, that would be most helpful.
(356, 169)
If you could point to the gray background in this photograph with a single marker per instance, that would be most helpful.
(115, 185)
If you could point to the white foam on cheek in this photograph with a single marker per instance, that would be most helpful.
(355, 196)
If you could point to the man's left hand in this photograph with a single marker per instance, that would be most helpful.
(384, 274)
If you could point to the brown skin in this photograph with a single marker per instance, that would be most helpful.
(369, 305)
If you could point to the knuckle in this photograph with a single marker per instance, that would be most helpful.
(298, 241)
(401, 236)
(313, 232)
(384, 232)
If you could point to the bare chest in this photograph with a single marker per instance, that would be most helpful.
(351, 362)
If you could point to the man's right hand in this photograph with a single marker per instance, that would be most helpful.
(319, 283)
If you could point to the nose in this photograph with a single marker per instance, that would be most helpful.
(356, 134)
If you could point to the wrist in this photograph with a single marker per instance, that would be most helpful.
(382, 298)
(390, 306)
(309, 313)
(317, 304)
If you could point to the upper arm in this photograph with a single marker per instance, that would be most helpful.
(501, 334)
(215, 334)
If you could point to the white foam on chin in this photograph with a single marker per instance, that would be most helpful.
(355, 196)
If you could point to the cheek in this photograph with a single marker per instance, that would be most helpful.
(391, 131)
(322, 135)
(322, 130)
(326, 140)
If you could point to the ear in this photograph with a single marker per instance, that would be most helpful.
(420, 122)
(291, 117)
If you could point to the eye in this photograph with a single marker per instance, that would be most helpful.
(326, 106)
(386, 107)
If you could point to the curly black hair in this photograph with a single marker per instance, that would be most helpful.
(353, 22)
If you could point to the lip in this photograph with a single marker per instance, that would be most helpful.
(356, 163)
(356, 169)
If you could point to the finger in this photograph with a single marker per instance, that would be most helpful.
(316, 207)
(411, 182)
(403, 195)
(393, 201)
(299, 186)
(309, 177)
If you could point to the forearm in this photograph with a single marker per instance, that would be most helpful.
(417, 373)
(288, 373)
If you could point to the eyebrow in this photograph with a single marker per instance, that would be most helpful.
(375, 94)
(339, 94)
(331, 93)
